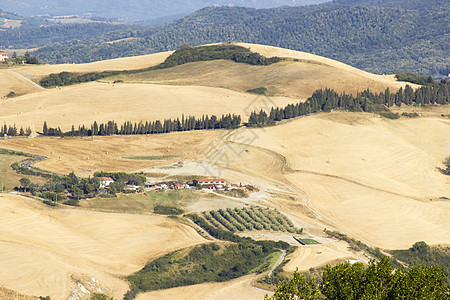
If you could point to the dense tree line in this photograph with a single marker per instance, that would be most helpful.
(183, 55)
(377, 39)
(235, 53)
(414, 78)
(380, 280)
(209, 262)
(422, 254)
(320, 101)
(13, 131)
(169, 125)
(366, 101)
(69, 189)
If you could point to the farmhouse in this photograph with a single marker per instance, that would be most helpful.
(105, 181)
(210, 182)
(3, 56)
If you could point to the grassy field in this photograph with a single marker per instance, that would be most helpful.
(143, 203)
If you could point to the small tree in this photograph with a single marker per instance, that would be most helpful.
(446, 171)
(25, 183)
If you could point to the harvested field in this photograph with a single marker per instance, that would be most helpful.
(84, 157)
(119, 64)
(14, 82)
(359, 172)
(102, 102)
(294, 79)
(45, 250)
(314, 256)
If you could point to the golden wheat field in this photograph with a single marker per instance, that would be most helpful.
(47, 251)
(374, 179)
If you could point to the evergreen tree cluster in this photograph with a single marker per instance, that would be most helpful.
(169, 125)
(366, 101)
(13, 131)
(239, 54)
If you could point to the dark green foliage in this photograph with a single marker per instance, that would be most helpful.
(240, 219)
(446, 163)
(49, 203)
(205, 263)
(390, 115)
(44, 298)
(259, 91)
(228, 236)
(167, 210)
(72, 202)
(67, 78)
(169, 125)
(328, 100)
(14, 131)
(22, 170)
(207, 53)
(414, 78)
(377, 39)
(134, 179)
(422, 254)
(377, 281)
(410, 115)
(97, 296)
(181, 56)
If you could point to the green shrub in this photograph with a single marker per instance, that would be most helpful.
(167, 210)
(258, 91)
(390, 115)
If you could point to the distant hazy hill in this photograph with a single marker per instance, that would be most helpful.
(132, 10)
(374, 38)
(406, 4)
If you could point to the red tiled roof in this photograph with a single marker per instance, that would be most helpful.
(106, 179)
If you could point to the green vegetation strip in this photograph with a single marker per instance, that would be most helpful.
(181, 56)
(167, 210)
(205, 263)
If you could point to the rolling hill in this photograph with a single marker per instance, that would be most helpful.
(216, 87)
(369, 35)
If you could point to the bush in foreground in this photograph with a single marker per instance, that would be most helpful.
(378, 281)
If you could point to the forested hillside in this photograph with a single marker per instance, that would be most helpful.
(374, 38)
(132, 10)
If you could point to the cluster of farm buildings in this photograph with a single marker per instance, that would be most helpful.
(211, 184)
